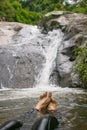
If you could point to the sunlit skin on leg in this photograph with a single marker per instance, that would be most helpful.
(46, 103)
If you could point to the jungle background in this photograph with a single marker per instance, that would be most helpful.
(32, 11)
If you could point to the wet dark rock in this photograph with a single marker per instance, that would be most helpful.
(54, 78)
(17, 28)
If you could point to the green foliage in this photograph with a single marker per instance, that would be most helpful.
(32, 11)
(44, 6)
(24, 15)
(80, 7)
(6, 10)
(13, 11)
(28, 17)
(27, 11)
(16, 5)
(81, 64)
(79, 10)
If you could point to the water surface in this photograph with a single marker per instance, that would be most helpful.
(72, 105)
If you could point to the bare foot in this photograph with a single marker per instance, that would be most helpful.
(49, 94)
(44, 101)
(43, 95)
(53, 105)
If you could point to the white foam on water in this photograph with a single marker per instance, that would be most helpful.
(12, 94)
(3, 88)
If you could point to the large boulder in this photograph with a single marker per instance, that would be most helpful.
(20, 55)
(69, 22)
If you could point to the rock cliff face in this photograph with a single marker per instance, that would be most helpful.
(20, 57)
(74, 27)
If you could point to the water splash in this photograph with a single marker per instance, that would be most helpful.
(3, 88)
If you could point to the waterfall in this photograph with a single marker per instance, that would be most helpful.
(29, 60)
(55, 38)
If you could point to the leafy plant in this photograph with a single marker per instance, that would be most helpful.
(81, 64)
(6, 10)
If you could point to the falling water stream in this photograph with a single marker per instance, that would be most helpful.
(72, 102)
(50, 54)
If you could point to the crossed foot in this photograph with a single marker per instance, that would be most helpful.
(46, 103)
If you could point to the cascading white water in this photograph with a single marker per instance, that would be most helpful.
(55, 37)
